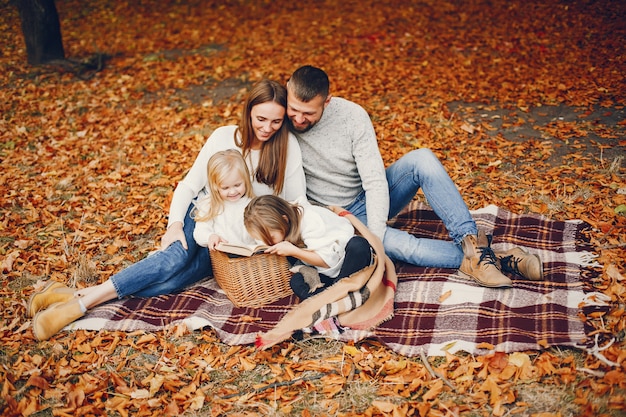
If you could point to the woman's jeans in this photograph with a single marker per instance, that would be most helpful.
(166, 271)
(417, 169)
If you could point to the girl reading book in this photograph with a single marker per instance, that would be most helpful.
(324, 242)
(219, 215)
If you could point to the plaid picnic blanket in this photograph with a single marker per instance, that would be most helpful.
(435, 309)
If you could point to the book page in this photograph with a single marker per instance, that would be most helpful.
(242, 250)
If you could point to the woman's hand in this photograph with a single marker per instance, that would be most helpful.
(172, 234)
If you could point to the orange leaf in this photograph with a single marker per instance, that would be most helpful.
(37, 381)
(434, 390)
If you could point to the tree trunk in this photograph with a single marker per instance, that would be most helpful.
(42, 30)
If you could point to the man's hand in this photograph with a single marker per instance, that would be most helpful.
(172, 234)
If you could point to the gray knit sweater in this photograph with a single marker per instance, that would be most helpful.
(341, 158)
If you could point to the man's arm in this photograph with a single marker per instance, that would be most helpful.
(372, 171)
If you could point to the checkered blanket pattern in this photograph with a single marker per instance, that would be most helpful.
(435, 310)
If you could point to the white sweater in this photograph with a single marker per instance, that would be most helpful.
(228, 224)
(325, 233)
(341, 158)
(195, 182)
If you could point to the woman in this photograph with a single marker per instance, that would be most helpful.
(275, 163)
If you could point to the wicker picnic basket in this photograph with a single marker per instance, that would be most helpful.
(252, 281)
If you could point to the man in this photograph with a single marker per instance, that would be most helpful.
(343, 167)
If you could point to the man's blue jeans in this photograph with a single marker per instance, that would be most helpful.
(166, 271)
(420, 168)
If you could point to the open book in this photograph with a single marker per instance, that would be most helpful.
(241, 250)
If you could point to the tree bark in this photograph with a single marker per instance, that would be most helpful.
(41, 30)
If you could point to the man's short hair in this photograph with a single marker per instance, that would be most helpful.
(308, 82)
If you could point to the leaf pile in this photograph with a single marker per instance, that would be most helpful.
(89, 164)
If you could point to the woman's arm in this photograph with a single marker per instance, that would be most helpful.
(195, 180)
(190, 186)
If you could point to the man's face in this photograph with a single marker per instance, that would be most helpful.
(304, 115)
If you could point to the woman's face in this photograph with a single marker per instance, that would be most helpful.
(267, 118)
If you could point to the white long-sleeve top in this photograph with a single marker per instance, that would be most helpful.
(325, 233)
(228, 224)
(195, 182)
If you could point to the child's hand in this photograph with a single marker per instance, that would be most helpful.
(289, 249)
(215, 240)
(283, 248)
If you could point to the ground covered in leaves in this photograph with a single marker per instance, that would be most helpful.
(522, 100)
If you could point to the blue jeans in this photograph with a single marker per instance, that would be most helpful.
(166, 271)
(417, 169)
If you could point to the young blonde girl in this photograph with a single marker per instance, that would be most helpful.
(314, 235)
(219, 215)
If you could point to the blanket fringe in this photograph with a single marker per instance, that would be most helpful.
(585, 259)
(596, 299)
(596, 351)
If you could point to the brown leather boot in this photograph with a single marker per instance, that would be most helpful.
(480, 262)
(50, 321)
(53, 292)
(520, 262)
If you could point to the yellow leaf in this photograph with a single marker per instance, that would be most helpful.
(140, 394)
(246, 364)
(519, 359)
(155, 384)
(146, 338)
(434, 391)
(543, 343)
(445, 295)
(384, 406)
(351, 350)
(485, 345)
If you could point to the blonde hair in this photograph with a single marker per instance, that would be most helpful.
(220, 165)
(268, 213)
(273, 155)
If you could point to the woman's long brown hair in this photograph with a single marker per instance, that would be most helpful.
(273, 157)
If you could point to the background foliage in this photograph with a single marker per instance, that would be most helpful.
(522, 100)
